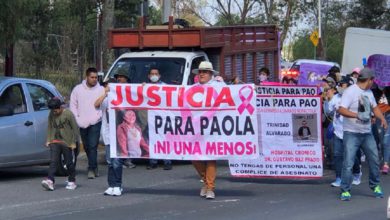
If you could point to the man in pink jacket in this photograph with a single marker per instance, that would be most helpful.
(88, 117)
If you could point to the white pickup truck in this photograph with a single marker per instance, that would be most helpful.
(234, 51)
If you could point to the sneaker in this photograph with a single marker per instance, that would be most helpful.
(91, 174)
(108, 191)
(129, 164)
(167, 166)
(378, 192)
(48, 184)
(210, 194)
(336, 183)
(385, 169)
(96, 172)
(203, 191)
(71, 186)
(151, 166)
(117, 191)
(345, 196)
(356, 178)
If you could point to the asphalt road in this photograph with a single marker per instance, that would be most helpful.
(160, 194)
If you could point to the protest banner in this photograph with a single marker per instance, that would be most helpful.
(183, 122)
(381, 65)
(312, 74)
(289, 139)
(286, 90)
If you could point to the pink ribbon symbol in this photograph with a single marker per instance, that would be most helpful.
(246, 101)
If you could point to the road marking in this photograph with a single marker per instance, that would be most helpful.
(47, 201)
(227, 200)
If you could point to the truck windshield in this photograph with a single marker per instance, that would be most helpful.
(137, 69)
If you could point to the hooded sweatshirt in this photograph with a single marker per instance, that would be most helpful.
(82, 102)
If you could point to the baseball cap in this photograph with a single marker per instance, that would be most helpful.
(54, 103)
(366, 73)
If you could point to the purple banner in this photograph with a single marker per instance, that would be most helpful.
(381, 65)
(312, 73)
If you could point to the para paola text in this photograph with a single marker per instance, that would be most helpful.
(226, 126)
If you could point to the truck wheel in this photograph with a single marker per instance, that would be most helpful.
(61, 166)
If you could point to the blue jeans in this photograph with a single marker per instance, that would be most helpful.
(153, 162)
(384, 139)
(90, 137)
(338, 157)
(115, 167)
(352, 143)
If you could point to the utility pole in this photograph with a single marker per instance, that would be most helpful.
(166, 11)
(319, 47)
(98, 50)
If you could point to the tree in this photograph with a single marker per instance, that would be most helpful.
(11, 22)
(36, 32)
(370, 14)
(302, 47)
(126, 13)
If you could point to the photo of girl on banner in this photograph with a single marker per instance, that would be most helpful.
(130, 139)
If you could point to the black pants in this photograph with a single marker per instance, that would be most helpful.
(55, 157)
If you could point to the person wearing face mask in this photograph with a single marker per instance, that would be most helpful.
(352, 78)
(155, 78)
(331, 105)
(263, 75)
(343, 85)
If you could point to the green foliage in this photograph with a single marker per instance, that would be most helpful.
(302, 46)
(126, 13)
(370, 14)
(155, 16)
(334, 42)
(12, 19)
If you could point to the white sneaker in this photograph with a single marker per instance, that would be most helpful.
(48, 184)
(117, 191)
(336, 183)
(203, 191)
(210, 194)
(71, 186)
(108, 191)
(357, 178)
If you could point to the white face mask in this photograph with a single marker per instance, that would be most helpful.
(154, 78)
(263, 78)
(341, 90)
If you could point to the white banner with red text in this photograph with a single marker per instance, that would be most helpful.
(289, 90)
(289, 139)
(200, 122)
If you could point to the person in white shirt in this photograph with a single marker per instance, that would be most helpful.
(357, 105)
